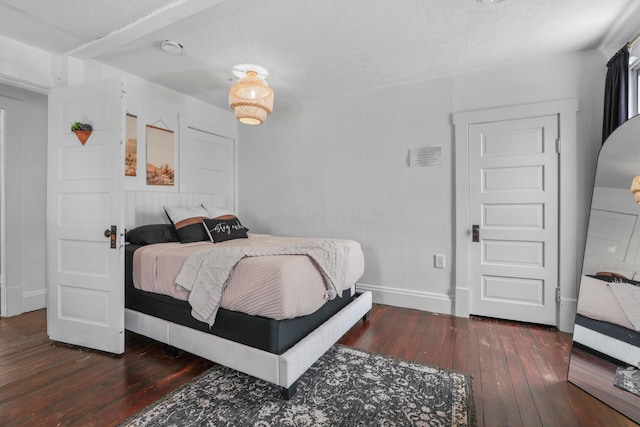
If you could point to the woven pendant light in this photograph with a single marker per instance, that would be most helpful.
(635, 188)
(251, 99)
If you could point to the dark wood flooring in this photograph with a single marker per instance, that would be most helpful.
(596, 374)
(519, 370)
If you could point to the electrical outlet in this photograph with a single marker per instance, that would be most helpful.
(438, 261)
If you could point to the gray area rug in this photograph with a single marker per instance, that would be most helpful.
(628, 379)
(345, 387)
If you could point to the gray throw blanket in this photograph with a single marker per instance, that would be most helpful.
(205, 273)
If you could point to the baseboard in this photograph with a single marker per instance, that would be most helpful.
(19, 302)
(567, 314)
(14, 301)
(461, 300)
(443, 304)
(34, 300)
(407, 298)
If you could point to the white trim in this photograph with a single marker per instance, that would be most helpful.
(568, 264)
(425, 301)
(3, 241)
(634, 74)
(34, 300)
(567, 316)
(24, 84)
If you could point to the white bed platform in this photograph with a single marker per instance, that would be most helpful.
(282, 370)
(605, 344)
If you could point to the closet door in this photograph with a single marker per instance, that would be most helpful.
(85, 217)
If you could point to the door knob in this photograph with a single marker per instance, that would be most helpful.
(475, 233)
(112, 234)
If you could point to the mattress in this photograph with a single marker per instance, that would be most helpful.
(598, 301)
(605, 319)
(263, 333)
(273, 286)
(609, 329)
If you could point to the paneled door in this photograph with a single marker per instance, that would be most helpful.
(610, 246)
(85, 217)
(513, 202)
(207, 164)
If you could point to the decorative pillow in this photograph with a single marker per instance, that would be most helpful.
(220, 229)
(152, 233)
(218, 212)
(188, 223)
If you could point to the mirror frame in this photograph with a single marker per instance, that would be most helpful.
(591, 370)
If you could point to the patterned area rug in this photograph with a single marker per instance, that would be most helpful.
(346, 387)
(628, 379)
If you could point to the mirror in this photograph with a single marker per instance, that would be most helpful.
(606, 341)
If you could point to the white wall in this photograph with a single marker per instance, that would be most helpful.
(338, 168)
(26, 181)
(158, 106)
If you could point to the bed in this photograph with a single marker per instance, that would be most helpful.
(608, 317)
(261, 336)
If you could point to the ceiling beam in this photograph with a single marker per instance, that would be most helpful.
(156, 20)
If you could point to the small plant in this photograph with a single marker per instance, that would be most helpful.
(80, 126)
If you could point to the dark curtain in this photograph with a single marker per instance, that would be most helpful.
(616, 93)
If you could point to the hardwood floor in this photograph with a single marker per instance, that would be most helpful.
(519, 370)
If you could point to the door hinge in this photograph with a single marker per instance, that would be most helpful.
(557, 295)
(558, 145)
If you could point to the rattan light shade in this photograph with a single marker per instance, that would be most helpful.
(251, 99)
(635, 188)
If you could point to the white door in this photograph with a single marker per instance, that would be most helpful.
(609, 242)
(513, 201)
(3, 275)
(207, 164)
(85, 268)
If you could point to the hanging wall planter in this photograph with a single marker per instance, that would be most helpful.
(82, 131)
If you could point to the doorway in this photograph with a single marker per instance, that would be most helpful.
(23, 137)
(493, 289)
(3, 279)
(513, 208)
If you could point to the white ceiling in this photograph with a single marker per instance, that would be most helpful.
(314, 48)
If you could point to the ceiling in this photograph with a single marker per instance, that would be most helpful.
(314, 48)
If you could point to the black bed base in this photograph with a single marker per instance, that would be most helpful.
(615, 331)
(273, 336)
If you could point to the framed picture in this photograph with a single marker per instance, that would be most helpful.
(160, 156)
(131, 146)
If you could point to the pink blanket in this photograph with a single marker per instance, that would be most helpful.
(278, 286)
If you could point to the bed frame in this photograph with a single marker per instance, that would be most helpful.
(611, 340)
(283, 370)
